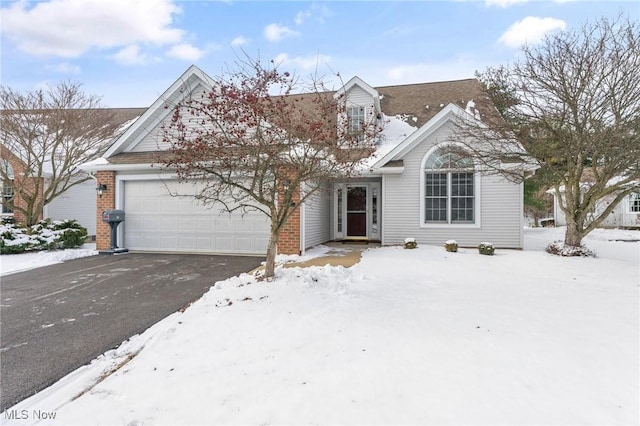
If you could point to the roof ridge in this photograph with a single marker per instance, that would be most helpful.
(427, 83)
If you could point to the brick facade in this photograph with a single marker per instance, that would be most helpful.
(106, 202)
(289, 242)
(22, 184)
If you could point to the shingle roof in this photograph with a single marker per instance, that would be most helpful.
(148, 157)
(122, 115)
(425, 100)
(420, 101)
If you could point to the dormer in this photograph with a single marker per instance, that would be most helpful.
(361, 105)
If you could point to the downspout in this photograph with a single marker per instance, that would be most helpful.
(302, 222)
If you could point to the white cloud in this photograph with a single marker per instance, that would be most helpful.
(454, 68)
(64, 68)
(302, 63)
(186, 51)
(302, 16)
(239, 41)
(69, 28)
(530, 30)
(131, 55)
(504, 3)
(317, 11)
(276, 32)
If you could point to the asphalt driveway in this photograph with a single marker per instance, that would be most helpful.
(57, 318)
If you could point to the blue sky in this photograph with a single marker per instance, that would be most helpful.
(130, 51)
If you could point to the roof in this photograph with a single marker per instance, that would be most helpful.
(121, 118)
(416, 103)
(425, 100)
(189, 81)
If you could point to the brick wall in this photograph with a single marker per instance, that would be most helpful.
(290, 235)
(106, 202)
(21, 183)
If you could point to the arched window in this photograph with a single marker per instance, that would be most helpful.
(449, 187)
(634, 202)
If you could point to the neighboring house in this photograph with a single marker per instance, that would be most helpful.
(625, 215)
(412, 187)
(78, 202)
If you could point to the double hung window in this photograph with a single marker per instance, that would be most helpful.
(449, 188)
(634, 202)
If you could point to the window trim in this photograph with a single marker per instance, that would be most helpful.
(4, 186)
(476, 188)
(634, 198)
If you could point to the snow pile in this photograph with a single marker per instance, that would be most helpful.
(470, 109)
(418, 336)
(561, 249)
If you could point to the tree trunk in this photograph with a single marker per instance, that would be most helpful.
(272, 250)
(573, 235)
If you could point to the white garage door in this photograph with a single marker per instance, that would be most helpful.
(157, 221)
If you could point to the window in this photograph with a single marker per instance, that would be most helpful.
(7, 198)
(449, 188)
(6, 187)
(634, 202)
(356, 116)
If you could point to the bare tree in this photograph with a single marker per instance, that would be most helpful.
(49, 133)
(258, 144)
(573, 104)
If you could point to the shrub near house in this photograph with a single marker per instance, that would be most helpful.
(45, 235)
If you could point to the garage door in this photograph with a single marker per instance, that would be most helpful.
(157, 221)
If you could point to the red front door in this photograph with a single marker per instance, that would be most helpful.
(357, 211)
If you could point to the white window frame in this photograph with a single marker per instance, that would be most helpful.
(476, 188)
(2, 193)
(634, 203)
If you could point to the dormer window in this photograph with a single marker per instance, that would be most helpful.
(361, 106)
(356, 116)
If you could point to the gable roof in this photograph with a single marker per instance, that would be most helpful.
(357, 81)
(190, 80)
(449, 112)
(417, 104)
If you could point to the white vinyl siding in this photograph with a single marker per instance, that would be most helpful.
(152, 141)
(79, 203)
(620, 216)
(499, 217)
(359, 96)
(157, 221)
(317, 213)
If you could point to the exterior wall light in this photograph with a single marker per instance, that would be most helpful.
(100, 189)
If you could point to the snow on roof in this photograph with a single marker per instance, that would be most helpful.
(101, 161)
(396, 129)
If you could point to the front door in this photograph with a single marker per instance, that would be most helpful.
(357, 212)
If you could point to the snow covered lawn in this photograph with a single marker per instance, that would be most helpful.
(12, 263)
(405, 337)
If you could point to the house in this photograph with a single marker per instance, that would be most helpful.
(625, 215)
(78, 202)
(413, 187)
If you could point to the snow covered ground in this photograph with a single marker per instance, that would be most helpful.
(405, 337)
(12, 263)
